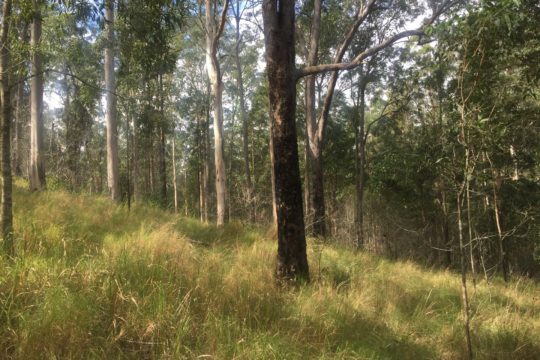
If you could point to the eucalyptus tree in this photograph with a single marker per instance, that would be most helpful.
(110, 115)
(37, 166)
(214, 30)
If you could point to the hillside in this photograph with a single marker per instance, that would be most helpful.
(96, 281)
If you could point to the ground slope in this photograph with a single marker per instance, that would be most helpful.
(93, 280)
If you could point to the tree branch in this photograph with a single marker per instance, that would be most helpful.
(337, 66)
(311, 70)
(222, 22)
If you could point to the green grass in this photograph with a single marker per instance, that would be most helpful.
(94, 281)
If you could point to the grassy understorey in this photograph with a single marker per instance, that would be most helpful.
(93, 281)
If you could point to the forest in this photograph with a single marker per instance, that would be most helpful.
(270, 179)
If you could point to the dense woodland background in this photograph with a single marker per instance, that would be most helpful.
(408, 130)
(423, 128)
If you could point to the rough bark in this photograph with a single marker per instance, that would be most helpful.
(37, 166)
(278, 19)
(110, 117)
(5, 123)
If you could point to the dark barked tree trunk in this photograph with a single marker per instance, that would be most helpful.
(5, 121)
(278, 18)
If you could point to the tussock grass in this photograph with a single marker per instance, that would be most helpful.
(93, 281)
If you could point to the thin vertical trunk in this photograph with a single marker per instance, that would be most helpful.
(279, 29)
(135, 157)
(360, 165)
(464, 294)
(18, 129)
(110, 118)
(213, 33)
(37, 167)
(503, 262)
(201, 175)
(162, 145)
(307, 188)
(5, 123)
(243, 116)
(317, 202)
(128, 155)
(174, 176)
(446, 231)
(469, 228)
(186, 201)
(203, 123)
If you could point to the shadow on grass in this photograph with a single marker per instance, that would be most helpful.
(209, 235)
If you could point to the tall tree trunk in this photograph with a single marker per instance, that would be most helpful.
(37, 167)
(110, 118)
(278, 16)
(213, 33)
(243, 116)
(360, 165)
(5, 123)
(314, 151)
